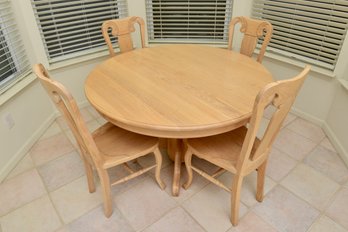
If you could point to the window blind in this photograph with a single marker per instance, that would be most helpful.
(312, 31)
(73, 28)
(13, 60)
(200, 21)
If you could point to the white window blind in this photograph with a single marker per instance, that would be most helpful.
(73, 28)
(312, 31)
(13, 60)
(200, 21)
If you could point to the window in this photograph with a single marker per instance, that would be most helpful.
(312, 31)
(13, 61)
(73, 28)
(200, 21)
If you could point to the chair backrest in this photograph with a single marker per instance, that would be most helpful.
(253, 29)
(280, 94)
(66, 104)
(122, 29)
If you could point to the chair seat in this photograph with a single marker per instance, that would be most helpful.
(113, 141)
(223, 150)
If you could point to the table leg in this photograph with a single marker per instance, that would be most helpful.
(175, 151)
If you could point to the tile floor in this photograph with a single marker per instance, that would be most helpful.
(306, 190)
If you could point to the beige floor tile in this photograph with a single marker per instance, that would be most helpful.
(248, 193)
(36, 216)
(263, 126)
(48, 149)
(307, 129)
(62, 170)
(197, 184)
(63, 229)
(251, 222)
(62, 123)
(338, 210)
(293, 144)
(71, 138)
(24, 165)
(289, 118)
(150, 160)
(74, 199)
(325, 224)
(52, 130)
(86, 115)
(176, 220)
(119, 172)
(144, 204)
(95, 220)
(93, 125)
(279, 164)
(327, 144)
(93, 111)
(211, 208)
(329, 163)
(310, 185)
(271, 109)
(285, 211)
(102, 120)
(20, 190)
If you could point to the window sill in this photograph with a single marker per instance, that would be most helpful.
(300, 64)
(16, 88)
(77, 60)
(344, 83)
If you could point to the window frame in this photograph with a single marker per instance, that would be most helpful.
(84, 54)
(9, 29)
(320, 66)
(150, 27)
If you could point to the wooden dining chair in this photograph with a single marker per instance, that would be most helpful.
(240, 151)
(253, 29)
(107, 147)
(122, 29)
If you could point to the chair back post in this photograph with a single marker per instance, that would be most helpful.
(122, 29)
(66, 104)
(281, 95)
(253, 29)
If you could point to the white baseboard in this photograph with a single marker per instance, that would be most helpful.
(330, 134)
(307, 117)
(336, 143)
(26, 147)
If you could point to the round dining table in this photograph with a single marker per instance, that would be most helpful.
(177, 92)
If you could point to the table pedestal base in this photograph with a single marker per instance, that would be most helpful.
(176, 152)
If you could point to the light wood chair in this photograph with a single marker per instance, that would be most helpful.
(253, 29)
(106, 147)
(240, 151)
(122, 29)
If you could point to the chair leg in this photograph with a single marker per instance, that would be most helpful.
(261, 173)
(158, 157)
(90, 177)
(105, 183)
(235, 198)
(188, 158)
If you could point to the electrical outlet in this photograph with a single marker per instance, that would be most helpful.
(8, 120)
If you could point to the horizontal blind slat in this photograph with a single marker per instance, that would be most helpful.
(190, 20)
(13, 59)
(312, 30)
(73, 28)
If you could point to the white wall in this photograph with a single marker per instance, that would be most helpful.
(32, 111)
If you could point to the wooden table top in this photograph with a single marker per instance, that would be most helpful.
(177, 91)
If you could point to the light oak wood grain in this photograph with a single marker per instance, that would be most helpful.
(253, 30)
(122, 29)
(240, 151)
(177, 92)
(106, 147)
